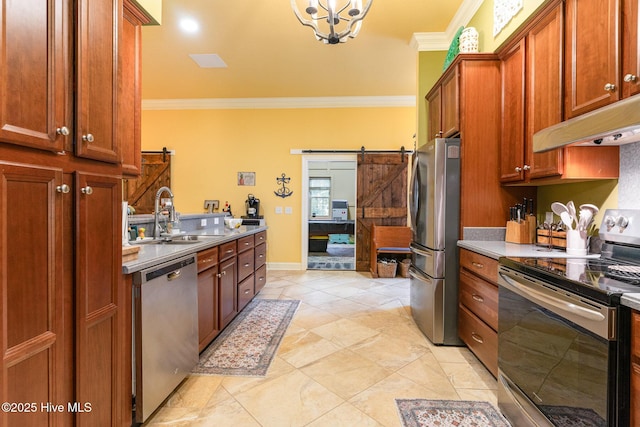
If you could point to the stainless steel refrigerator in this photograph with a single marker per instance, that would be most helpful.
(434, 205)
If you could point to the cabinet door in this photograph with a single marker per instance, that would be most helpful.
(513, 88)
(630, 46)
(592, 55)
(32, 291)
(451, 103)
(434, 102)
(34, 84)
(544, 91)
(130, 91)
(207, 306)
(97, 79)
(227, 292)
(99, 360)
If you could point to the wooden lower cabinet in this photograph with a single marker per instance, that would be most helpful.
(478, 307)
(260, 278)
(208, 325)
(228, 292)
(635, 368)
(245, 292)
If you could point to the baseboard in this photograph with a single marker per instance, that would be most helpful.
(285, 266)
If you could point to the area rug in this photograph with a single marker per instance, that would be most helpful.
(330, 263)
(449, 413)
(247, 345)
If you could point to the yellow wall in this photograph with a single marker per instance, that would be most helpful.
(429, 71)
(212, 146)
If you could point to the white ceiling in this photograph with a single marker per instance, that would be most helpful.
(269, 54)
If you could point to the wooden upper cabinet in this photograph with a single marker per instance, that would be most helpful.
(130, 89)
(592, 76)
(34, 88)
(97, 79)
(532, 100)
(512, 147)
(544, 91)
(443, 103)
(630, 58)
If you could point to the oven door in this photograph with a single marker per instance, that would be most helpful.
(556, 355)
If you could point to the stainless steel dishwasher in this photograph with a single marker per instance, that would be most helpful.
(165, 331)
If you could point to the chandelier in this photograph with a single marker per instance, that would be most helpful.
(333, 27)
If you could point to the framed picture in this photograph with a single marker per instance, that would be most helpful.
(246, 178)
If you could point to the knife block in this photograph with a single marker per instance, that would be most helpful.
(518, 232)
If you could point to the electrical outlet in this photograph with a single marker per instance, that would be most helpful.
(288, 210)
(203, 222)
(278, 210)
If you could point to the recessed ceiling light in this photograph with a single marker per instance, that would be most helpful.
(208, 60)
(189, 25)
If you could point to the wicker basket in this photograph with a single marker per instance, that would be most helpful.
(387, 269)
(404, 267)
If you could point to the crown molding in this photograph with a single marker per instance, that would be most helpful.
(442, 41)
(278, 103)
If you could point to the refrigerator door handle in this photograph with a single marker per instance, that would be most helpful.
(415, 193)
(419, 251)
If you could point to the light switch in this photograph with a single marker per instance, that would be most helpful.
(278, 210)
(203, 222)
(288, 210)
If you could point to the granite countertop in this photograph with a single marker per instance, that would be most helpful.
(497, 248)
(631, 300)
(153, 254)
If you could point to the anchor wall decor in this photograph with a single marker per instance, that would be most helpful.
(284, 190)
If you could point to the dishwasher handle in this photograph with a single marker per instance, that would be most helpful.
(170, 269)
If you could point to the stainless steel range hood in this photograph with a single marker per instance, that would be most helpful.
(615, 124)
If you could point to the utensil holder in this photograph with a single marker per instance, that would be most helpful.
(576, 242)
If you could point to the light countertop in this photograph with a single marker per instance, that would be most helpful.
(497, 248)
(153, 254)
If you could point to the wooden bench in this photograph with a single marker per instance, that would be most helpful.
(388, 239)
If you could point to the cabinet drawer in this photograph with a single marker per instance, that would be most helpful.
(481, 265)
(245, 291)
(635, 336)
(480, 338)
(260, 237)
(260, 255)
(226, 250)
(245, 243)
(245, 264)
(260, 278)
(480, 297)
(207, 258)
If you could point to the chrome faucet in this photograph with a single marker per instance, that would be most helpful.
(172, 211)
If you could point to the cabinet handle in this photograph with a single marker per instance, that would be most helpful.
(609, 87)
(438, 135)
(229, 251)
(246, 243)
(260, 279)
(246, 265)
(63, 130)
(477, 338)
(526, 167)
(86, 190)
(477, 264)
(246, 291)
(518, 169)
(260, 256)
(64, 188)
(88, 138)
(223, 273)
(630, 78)
(477, 298)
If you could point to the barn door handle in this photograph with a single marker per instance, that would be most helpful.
(362, 152)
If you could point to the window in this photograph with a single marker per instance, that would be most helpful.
(320, 197)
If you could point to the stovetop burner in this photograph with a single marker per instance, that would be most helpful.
(626, 273)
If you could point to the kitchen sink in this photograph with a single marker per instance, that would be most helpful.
(183, 239)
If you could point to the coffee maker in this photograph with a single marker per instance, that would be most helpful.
(253, 207)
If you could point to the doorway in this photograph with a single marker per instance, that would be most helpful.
(328, 212)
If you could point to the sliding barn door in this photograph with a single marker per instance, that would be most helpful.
(382, 198)
(155, 173)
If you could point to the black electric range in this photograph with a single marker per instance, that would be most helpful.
(603, 279)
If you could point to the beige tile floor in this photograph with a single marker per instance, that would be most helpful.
(351, 349)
